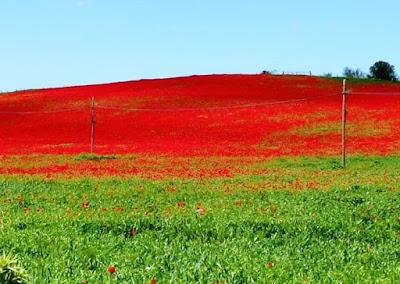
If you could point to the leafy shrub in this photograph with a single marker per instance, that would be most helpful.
(94, 157)
(11, 272)
(354, 73)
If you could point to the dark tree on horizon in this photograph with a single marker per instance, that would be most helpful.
(382, 70)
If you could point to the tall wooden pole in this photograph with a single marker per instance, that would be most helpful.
(93, 121)
(344, 114)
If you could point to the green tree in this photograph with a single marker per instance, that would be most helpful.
(354, 73)
(382, 70)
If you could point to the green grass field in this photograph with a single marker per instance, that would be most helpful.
(304, 220)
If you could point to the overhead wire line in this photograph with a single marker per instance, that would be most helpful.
(375, 93)
(243, 106)
(42, 112)
(213, 108)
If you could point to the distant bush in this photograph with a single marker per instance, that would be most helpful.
(268, 72)
(354, 73)
(382, 70)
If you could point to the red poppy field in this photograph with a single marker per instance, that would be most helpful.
(253, 116)
(202, 179)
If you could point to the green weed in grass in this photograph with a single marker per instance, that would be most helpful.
(94, 157)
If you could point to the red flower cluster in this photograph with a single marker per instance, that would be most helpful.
(220, 115)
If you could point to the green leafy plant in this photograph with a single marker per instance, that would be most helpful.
(94, 157)
(11, 272)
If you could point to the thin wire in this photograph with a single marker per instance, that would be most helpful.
(170, 109)
(213, 108)
(41, 112)
(375, 93)
(201, 109)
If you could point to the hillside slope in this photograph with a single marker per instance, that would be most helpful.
(202, 115)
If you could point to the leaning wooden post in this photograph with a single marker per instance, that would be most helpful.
(93, 121)
(344, 114)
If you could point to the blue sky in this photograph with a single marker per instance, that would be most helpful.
(47, 43)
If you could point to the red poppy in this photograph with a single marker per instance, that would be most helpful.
(85, 204)
(111, 269)
(200, 209)
(119, 209)
(270, 264)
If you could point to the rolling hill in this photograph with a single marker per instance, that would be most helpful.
(214, 115)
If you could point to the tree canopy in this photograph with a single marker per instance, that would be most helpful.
(382, 70)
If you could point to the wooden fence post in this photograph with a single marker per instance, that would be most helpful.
(93, 122)
(344, 115)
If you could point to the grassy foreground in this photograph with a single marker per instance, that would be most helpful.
(304, 220)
